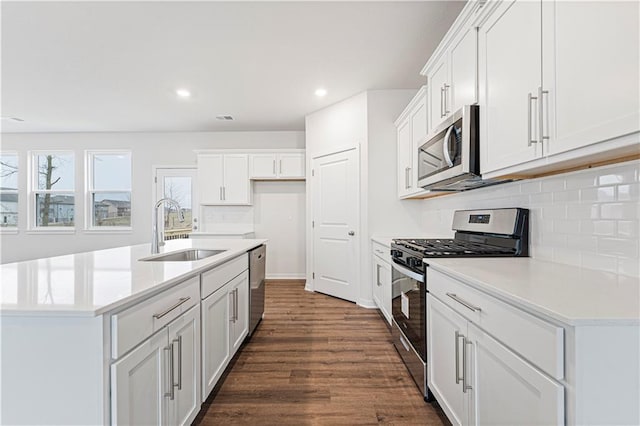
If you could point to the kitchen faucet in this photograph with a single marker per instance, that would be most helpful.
(155, 235)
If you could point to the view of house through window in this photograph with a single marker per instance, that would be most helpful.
(9, 190)
(110, 188)
(53, 191)
(179, 185)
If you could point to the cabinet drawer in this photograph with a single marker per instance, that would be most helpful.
(381, 251)
(539, 341)
(133, 325)
(216, 278)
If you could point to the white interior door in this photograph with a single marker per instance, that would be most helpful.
(179, 184)
(335, 228)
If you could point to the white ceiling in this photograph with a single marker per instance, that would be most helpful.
(115, 66)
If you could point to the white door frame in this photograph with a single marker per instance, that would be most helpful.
(309, 285)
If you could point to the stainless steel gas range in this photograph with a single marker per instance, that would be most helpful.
(479, 233)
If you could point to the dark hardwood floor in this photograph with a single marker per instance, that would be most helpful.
(315, 359)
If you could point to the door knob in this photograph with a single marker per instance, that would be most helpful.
(352, 233)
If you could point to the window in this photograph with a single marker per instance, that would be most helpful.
(109, 188)
(8, 190)
(52, 189)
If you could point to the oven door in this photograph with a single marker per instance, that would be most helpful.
(408, 306)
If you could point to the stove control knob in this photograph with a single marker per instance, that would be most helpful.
(396, 253)
(411, 261)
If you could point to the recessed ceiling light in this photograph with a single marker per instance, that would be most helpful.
(321, 92)
(183, 93)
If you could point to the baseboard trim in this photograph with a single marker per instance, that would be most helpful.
(286, 280)
(273, 277)
(367, 303)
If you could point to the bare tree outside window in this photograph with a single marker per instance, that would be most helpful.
(8, 190)
(55, 201)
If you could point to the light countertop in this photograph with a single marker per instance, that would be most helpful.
(569, 294)
(91, 283)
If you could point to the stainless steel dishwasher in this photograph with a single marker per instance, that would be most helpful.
(257, 259)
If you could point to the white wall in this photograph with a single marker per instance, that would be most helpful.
(588, 218)
(148, 149)
(365, 121)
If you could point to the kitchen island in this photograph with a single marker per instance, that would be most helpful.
(102, 337)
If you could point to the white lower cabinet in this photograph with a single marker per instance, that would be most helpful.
(139, 383)
(239, 310)
(478, 380)
(381, 281)
(215, 339)
(225, 324)
(445, 331)
(158, 381)
(506, 389)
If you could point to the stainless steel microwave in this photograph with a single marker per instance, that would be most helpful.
(450, 158)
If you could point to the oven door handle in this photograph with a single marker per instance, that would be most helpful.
(408, 272)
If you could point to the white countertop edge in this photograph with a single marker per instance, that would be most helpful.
(199, 266)
(528, 305)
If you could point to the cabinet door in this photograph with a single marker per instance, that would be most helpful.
(237, 187)
(239, 308)
(377, 288)
(437, 83)
(405, 156)
(590, 68)
(139, 384)
(510, 63)
(445, 331)
(464, 69)
(210, 178)
(291, 165)
(385, 279)
(507, 390)
(184, 339)
(263, 166)
(215, 339)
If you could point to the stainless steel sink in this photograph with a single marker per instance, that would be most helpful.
(188, 255)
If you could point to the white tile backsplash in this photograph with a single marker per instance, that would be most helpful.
(589, 217)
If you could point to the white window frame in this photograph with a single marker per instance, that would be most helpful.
(32, 193)
(12, 229)
(90, 191)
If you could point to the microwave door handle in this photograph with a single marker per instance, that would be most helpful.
(445, 147)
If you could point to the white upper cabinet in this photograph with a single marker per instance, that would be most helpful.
(411, 131)
(452, 77)
(224, 179)
(590, 70)
(277, 165)
(510, 76)
(558, 85)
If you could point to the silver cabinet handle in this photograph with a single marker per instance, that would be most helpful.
(179, 342)
(407, 179)
(541, 93)
(465, 385)
(171, 308)
(378, 275)
(224, 193)
(441, 102)
(458, 335)
(221, 194)
(379, 251)
(464, 302)
(274, 167)
(351, 233)
(446, 106)
(530, 141)
(236, 308)
(280, 166)
(170, 394)
(445, 147)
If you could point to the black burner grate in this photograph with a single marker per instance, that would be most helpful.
(450, 247)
